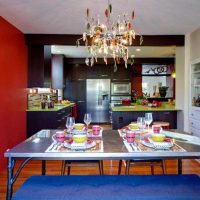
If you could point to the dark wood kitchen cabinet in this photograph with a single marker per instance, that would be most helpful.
(57, 75)
(39, 66)
(37, 120)
(99, 72)
(122, 74)
(75, 72)
(76, 91)
(121, 119)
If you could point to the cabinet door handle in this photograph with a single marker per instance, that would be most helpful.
(103, 75)
(80, 101)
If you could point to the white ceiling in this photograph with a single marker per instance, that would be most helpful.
(153, 17)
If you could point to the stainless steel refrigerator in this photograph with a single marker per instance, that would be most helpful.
(98, 99)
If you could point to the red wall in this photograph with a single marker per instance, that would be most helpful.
(13, 83)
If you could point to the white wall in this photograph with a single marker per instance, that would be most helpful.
(195, 45)
(180, 85)
(187, 86)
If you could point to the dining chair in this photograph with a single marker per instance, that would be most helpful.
(81, 163)
(133, 163)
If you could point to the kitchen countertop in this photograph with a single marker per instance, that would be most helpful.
(136, 108)
(57, 107)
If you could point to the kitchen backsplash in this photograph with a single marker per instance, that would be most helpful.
(35, 99)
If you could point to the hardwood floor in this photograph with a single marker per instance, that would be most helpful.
(110, 168)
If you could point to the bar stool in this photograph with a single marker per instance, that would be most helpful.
(151, 163)
(81, 163)
(164, 125)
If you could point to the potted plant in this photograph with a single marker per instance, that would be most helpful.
(163, 91)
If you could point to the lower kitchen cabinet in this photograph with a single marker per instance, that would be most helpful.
(194, 120)
(37, 120)
(121, 119)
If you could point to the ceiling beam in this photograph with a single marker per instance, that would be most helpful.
(61, 39)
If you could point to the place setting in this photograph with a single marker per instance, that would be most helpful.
(137, 137)
(77, 137)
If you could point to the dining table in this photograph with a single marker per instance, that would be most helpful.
(111, 146)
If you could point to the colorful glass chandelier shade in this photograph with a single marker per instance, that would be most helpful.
(109, 39)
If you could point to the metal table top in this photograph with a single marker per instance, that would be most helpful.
(114, 149)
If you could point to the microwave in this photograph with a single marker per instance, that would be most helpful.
(121, 88)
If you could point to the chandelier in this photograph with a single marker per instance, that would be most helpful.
(109, 38)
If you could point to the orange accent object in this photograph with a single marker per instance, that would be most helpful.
(129, 26)
(74, 111)
(133, 14)
(106, 13)
(88, 12)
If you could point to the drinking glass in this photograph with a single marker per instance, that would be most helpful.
(141, 123)
(148, 119)
(87, 119)
(70, 123)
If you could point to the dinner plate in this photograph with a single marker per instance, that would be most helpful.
(147, 141)
(74, 131)
(77, 146)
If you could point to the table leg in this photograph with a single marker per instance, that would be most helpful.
(11, 164)
(179, 166)
(13, 177)
(43, 167)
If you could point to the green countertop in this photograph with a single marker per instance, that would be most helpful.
(57, 107)
(136, 108)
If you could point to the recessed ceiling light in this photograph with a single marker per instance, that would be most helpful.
(138, 49)
(132, 56)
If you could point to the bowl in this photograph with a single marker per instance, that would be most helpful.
(133, 126)
(79, 138)
(157, 137)
(79, 126)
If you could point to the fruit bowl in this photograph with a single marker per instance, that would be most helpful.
(79, 126)
(157, 137)
(79, 138)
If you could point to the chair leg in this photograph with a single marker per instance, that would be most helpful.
(119, 167)
(68, 167)
(101, 167)
(63, 167)
(152, 169)
(163, 167)
(127, 167)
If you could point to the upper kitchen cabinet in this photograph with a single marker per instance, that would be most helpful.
(99, 71)
(75, 71)
(47, 66)
(57, 75)
(39, 66)
(122, 73)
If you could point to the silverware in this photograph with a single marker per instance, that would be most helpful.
(132, 147)
(52, 146)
